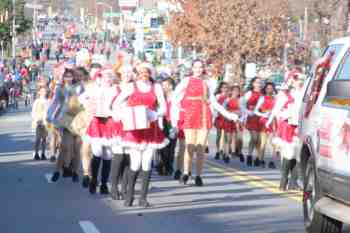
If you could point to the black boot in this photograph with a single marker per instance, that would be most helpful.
(177, 175)
(257, 162)
(95, 165)
(226, 158)
(55, 176)
(86, 181)
(217, 156)
(36, 156)
(67, 172)
(115, 176)
(284, 174)
(146, 177)
(241, 157)
(132, 177)
(249, 160)
(185, 179)
(293, 182)
(199, 181)
(43, 157)
(125, 181)
(106, 170)
(272, 165)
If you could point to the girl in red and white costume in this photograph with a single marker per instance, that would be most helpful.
(248, 104)
(231, 127)
(142, 144)
(121, 157)
(220, 120)
(197, 117)
(263, 109)
(99, 133)
(286, 111)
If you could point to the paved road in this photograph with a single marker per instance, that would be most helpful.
(231, 201)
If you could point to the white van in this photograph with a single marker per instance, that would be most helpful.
(325, 135)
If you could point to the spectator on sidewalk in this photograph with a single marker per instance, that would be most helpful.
(39, 111)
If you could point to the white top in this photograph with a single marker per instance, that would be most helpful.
(39, 111)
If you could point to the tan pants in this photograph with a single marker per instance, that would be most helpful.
(220, 140)
(231, 140)
(69, 155)
(181, 155)
(54, 142)
(265, 139)
(196, 140)
(86, 157)
(254, 142)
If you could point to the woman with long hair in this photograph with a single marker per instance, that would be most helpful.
(142, 143)
(263, 109)
(197, 117)
(248, 104)
(222, 96)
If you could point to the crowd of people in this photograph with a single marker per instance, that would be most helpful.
(124, 119)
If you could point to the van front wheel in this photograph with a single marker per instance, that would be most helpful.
(316, 222)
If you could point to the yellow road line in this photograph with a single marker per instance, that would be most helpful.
(255, 181)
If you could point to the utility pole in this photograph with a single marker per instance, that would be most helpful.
(14, 39)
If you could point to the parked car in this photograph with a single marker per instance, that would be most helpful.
(325, 135)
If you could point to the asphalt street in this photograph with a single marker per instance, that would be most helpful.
(235, 199)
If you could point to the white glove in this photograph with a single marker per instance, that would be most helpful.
(160, 123)
(152, 115)
(234, 117)
(173, 133)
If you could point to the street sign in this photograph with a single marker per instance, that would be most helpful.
(33, 6)
(111, 14)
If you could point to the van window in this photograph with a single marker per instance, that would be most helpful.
(342, 73)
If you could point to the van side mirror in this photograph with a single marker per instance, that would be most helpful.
(338, 89)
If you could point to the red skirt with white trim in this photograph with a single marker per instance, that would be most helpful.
(99, 131)
(152, 137)
(285, 131)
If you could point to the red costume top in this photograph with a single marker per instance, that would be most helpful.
(195, 105)
(266, 107)
(253, 121)
(152, 137)
(232, 106)
(220, 120)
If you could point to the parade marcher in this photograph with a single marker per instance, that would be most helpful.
(98, 134)
(80, 124)
(63, 109)
(263, 110)
(167, 154)
(286, 112)
(121, 157)
(248, 104)
(220, 120)
(145, 136)
(197, 117)
(231, 127)
(39, 111)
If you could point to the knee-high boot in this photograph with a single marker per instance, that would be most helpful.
(95, 165)
(132, 177)
(106, 170)
(115, 176)
(146, 177)
(293, 182)
(284, 174)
